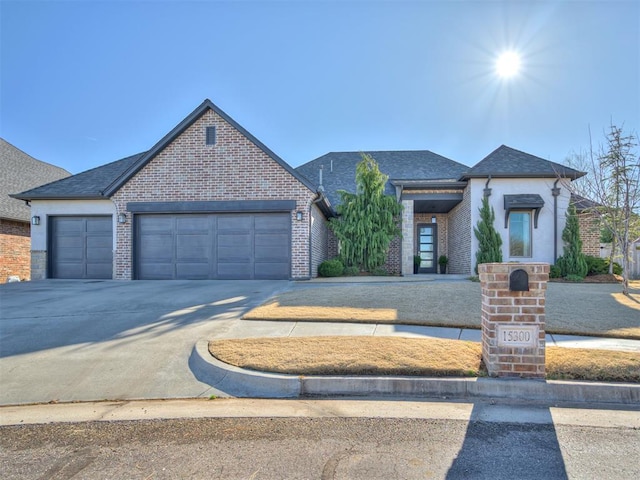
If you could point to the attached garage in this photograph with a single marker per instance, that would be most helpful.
(240, 246)
(81, 247)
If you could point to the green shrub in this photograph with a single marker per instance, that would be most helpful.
(351, 271)
(331, 268)
(596, 265)
(555, 272)
(617, 268)
(379, 272)
(574, 278)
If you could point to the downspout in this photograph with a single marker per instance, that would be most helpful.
(555, 191)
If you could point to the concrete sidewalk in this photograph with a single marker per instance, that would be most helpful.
(262, 328)
(486, 411)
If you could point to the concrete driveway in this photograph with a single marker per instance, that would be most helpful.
(66, 340)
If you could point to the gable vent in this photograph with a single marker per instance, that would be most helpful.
(211, 135)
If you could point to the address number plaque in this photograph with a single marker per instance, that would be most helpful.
(525, 336)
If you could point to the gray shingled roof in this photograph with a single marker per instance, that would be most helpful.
(19, 172)
(339, 169)
(102, 182)
(86, 185)
(507, 162)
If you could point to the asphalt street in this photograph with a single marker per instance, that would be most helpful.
(319, 448)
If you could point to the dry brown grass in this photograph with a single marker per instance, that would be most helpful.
(408, 356)
(351, 355)
(572, 309)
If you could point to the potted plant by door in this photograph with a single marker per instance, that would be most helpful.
(442, 261)
(416, 263)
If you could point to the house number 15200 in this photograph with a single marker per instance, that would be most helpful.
(521, 336)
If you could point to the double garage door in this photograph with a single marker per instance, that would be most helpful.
(213, 246)
(176, 246)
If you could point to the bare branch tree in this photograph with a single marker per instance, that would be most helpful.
(613, 182)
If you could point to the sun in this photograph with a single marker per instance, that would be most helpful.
(508, 64)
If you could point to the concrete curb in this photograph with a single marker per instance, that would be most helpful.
(245, 383)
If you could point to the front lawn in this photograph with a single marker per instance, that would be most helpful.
(408, 356)
(572, 309)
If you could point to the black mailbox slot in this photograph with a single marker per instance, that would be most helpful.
(519, 281)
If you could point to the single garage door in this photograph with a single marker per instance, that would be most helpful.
(213, 246)
(81, 247)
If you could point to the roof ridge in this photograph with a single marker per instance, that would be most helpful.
(34, 158)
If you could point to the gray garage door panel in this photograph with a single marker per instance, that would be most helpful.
(213, 246)
(81, 247)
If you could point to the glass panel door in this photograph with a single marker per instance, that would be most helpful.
(428, 248)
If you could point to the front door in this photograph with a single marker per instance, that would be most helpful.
(428, 247)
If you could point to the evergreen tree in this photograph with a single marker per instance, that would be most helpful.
(490, 242)
(573, 262)
(368, 220)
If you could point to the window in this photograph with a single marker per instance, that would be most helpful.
(520, 234)
(211, 135)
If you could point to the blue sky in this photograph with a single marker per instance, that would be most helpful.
(86, 83)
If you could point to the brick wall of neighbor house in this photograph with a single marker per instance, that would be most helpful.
(589, 233)
(15, 245)
(442, 222)
(319, 239)
(459, 233)
(233, 169)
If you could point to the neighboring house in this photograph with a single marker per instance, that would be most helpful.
(635, 259)
(442, 198)
(210, 201)
(19, 172)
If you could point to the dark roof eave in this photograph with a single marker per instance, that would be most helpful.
(180, 128)
(574, 176)
(58, 197)
(428, 183)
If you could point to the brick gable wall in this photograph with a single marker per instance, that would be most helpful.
(15, 248)
(232, 169)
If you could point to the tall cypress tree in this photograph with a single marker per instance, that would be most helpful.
(490, 242)
(368, 220)
(573, 262)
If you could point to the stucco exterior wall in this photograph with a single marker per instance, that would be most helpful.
(232, 169)
(542, 238)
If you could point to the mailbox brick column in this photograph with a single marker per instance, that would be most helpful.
(513, 322)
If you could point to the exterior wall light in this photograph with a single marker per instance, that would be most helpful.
(299, 216)
(122, 218)
(35, 220)
(433, 219)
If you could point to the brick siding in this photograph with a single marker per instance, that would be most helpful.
(589, 233)
(459, 236)
(232, 169)
(15, 248)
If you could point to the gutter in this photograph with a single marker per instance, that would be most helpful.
(555, 191)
